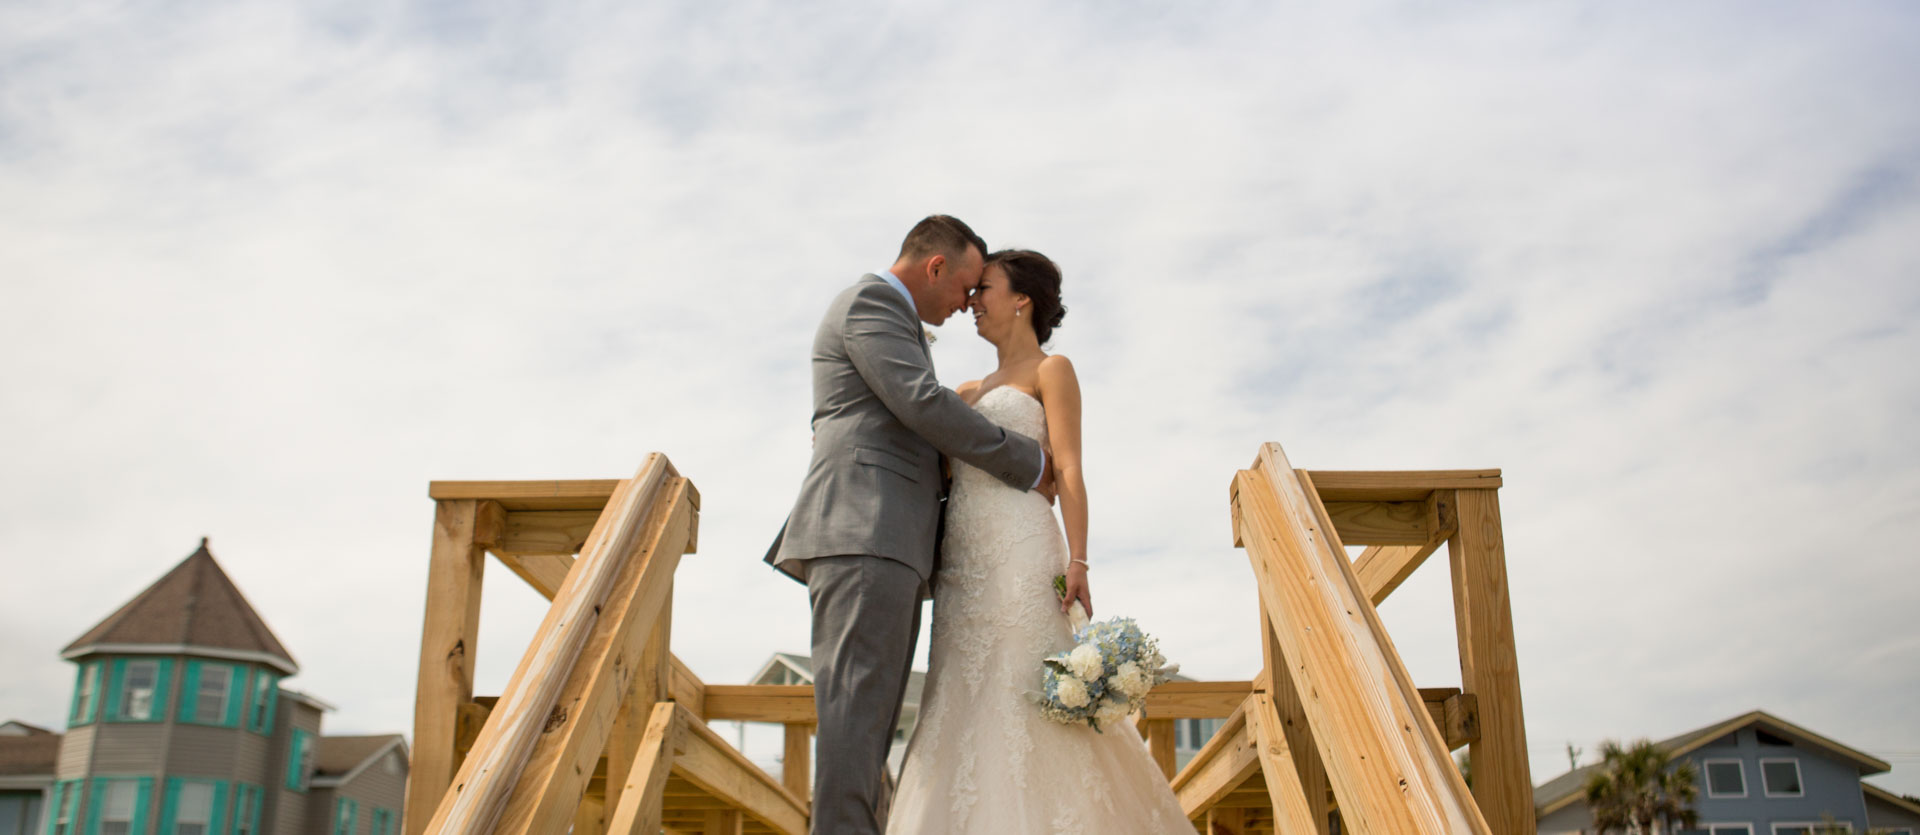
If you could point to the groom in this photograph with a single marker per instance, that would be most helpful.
(862, 534)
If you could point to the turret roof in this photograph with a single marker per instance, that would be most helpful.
(194, 609)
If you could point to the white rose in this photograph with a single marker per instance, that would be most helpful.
(1131, 681)
(1110, 712)
(1085, 662)
(1071, 691)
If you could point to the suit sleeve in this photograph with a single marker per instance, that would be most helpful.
(884, 345)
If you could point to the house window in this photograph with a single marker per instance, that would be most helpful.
(1781, 778)
(86, 694)
(66, 799)
(246, 808)
(265, 690)
(1810, 828)
(137, 687)
(382, 822)
(1725, 778)
(1729, 829)
(117, 805)
(300, 760)
(194, 812)
(210, 698)
(345, 812)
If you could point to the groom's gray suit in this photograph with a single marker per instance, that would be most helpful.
(862, 534)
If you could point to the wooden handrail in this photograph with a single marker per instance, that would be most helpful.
(484, 783)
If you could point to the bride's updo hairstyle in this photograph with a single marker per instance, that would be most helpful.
(1035, 276)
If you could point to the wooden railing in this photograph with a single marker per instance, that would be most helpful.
(602, 729)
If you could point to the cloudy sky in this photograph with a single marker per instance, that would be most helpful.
(270, 268)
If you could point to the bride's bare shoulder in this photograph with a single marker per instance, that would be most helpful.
(967, 389)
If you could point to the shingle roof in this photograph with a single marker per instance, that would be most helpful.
(193, 605)
(28, 755)
(338, 755)
(1548, 796)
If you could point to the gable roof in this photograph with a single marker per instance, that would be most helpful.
(1561, 791)
(341, 758)
(15, 727)
(1876, 793)
(194, 609)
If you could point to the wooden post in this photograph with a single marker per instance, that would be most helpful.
(1489, 666)
(640, 804)
(1227, 821)
(591, 817)
(462, 532)
(649, 686)
(1293, 727)
(796, 767)
(1160, 743)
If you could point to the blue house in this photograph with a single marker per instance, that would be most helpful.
(1759, 775)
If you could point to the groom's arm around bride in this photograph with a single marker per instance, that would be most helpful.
(862, 533)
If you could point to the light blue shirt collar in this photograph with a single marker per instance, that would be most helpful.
(902, 287)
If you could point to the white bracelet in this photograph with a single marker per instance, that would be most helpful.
(1080, 561)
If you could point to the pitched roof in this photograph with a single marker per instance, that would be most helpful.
(28, 755)
(15, 727)
(193, 607)
(1557, 793)
(340, 755)
(1882, 795)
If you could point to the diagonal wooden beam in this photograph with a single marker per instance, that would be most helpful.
(1291, 811)
(637, 812)
(708, 762)
(630, 524)
(1220, 766)
(587, 710)
(1384, 759)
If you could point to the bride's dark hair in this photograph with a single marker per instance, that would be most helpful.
(1035, 276)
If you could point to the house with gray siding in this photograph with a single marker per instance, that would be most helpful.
(1759, 775)
(180, 724)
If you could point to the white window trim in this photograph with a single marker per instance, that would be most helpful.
(1810, 825)
(1729, 827)
(225, 694)
(1739, 763)
(153, 712)
(1798, 775)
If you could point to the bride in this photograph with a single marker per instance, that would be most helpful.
(982, 760)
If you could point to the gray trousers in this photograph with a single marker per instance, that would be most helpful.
(866, 618)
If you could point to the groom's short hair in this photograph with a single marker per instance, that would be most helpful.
(940, 235)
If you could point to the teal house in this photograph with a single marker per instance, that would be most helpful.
(180, 723)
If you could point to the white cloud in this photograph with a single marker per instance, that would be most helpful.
(271, 269)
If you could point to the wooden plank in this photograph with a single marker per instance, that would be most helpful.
(486, 780)
(448, 646)
(1292, 812)
(1489, 666)
(590, 817)
(1160, 744)
(1197, 699)
(776, 703)
(1382, 569)
(547, 531)
(588, 494)
(637, 812)
(1223, 820)
(1219, 767)
(586, 711)
(713, 765)
(687, 688)
(1384, 760)
(1397, 485)
(1380, 523)
(796, 762)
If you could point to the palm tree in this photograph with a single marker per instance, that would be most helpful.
(1640, 787)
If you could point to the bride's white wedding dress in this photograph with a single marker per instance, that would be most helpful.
(982, 760)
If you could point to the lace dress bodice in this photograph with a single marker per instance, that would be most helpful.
(982, 760)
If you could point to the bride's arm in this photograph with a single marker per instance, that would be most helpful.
(1060, 393)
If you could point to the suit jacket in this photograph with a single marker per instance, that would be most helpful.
(880, 424)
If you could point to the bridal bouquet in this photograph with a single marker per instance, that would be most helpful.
(1106, 677)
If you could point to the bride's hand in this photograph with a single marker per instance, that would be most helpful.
(1077, 589)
